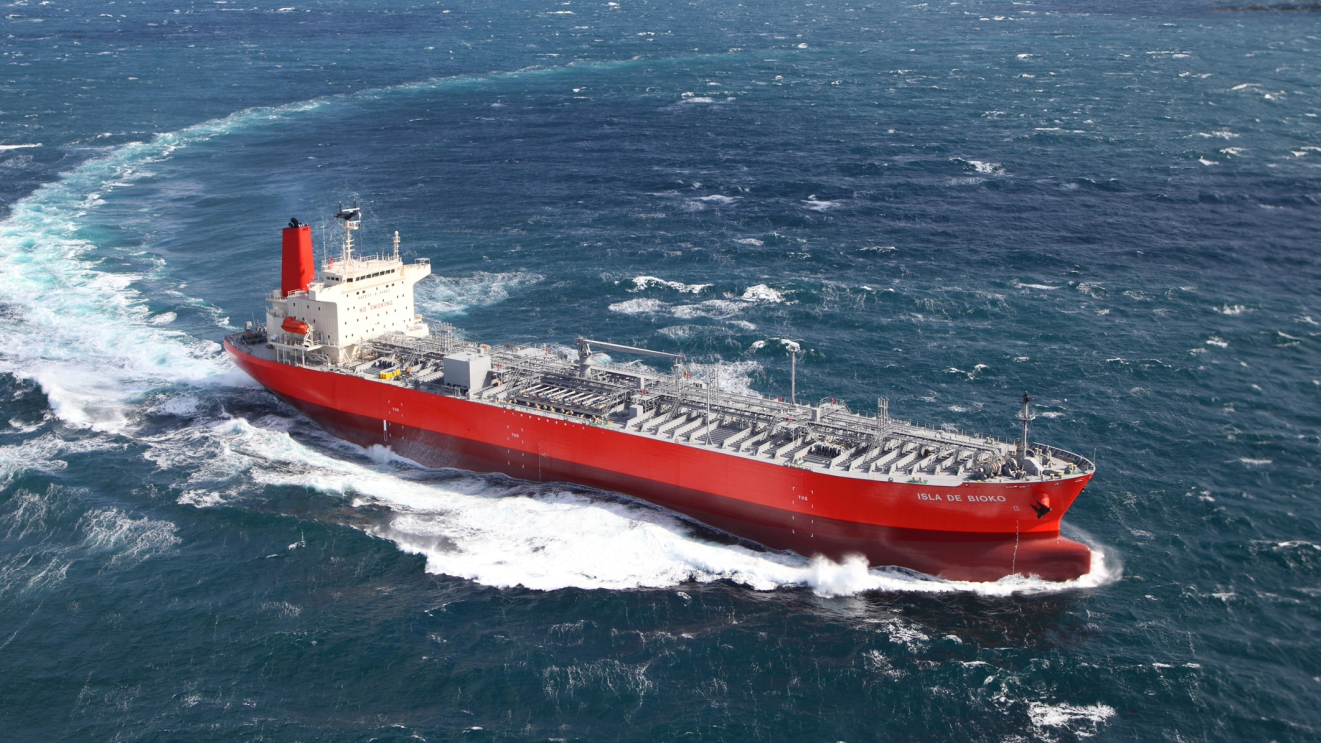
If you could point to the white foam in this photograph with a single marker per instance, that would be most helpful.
(1023, 285)
(981, 166)
(453, 295)
(1217, 341)
(689, 331)
(643, 282)
(729, 376)
(19, 146)
(86, 336)
(750, 241)
(129, 540)
(716, 309)
(503, 532)
(639, 306)
(761, 293)
(1082, 721)
(1297, 543)
(1231, 310)
(820, 205)
(44, 453)
(1254, 462)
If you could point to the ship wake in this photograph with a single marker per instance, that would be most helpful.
(504, 533)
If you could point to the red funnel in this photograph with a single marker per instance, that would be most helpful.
(297, 271)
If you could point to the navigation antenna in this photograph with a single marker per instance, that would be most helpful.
(1025, 416)
(352, 217)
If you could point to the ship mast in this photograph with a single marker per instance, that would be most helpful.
(352, 217)
(1025, 416)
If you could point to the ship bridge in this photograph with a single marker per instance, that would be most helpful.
(348, 300)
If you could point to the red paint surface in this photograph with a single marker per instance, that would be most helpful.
(969, 531)
(296, 268)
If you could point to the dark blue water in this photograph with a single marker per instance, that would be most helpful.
(1113, 205)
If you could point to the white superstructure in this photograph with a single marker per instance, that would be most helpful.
(350, 301)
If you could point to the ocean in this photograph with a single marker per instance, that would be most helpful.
(1112, 206)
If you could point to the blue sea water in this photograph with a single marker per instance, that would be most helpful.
(1113, 205)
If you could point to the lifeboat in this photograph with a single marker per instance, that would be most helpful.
(294, 325)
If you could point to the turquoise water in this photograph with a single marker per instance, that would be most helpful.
(1114, 206)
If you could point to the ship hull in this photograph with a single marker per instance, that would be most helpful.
(969, 531)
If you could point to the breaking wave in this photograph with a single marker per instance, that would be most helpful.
(643, 282)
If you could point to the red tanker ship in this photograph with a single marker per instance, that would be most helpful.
(342, 343)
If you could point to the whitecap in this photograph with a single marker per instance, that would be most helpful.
(761, 293)
(981, 166)
(1082, 721)
(19, 146)
(820, 205)
(690, 331)
(1298, 543)
(716, 309)
(1236, 309)
(639, 306)
(643, 282)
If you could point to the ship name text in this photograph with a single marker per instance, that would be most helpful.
(961, 498)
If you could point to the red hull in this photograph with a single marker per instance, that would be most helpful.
(969, 531)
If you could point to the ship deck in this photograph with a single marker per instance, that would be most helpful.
(635, 399)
